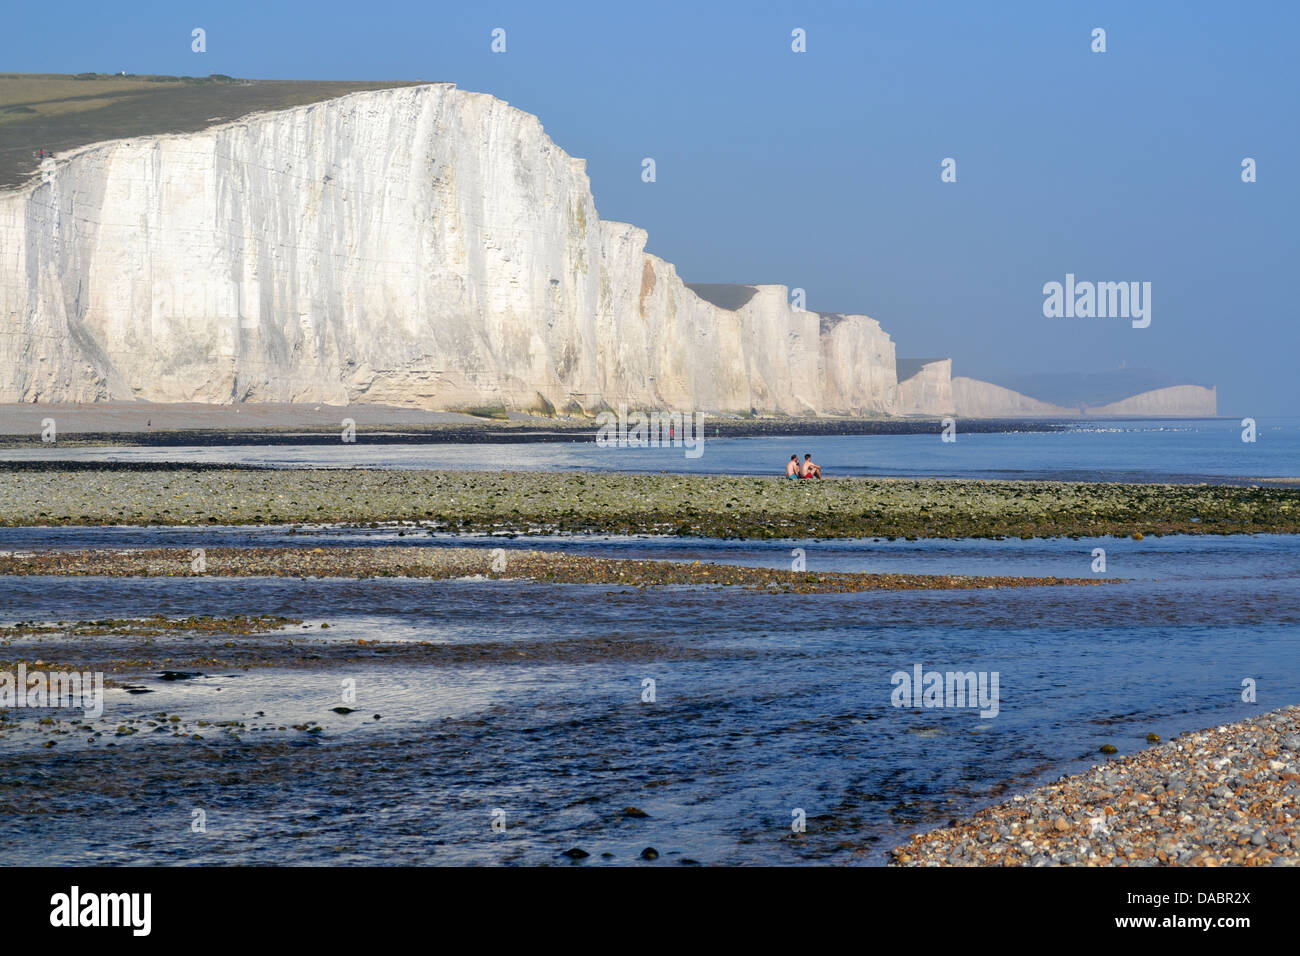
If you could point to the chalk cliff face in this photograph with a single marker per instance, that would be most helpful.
(975, 399)
(929, 389)
(1188, 401)
(857, 367)
(421, 247)
(928, 392)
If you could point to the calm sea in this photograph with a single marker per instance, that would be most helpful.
(1199, 450)
(765, 705)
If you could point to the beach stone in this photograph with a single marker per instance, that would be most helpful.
(1199, 801)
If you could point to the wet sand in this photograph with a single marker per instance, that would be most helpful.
(718, 506)
(1226, 796)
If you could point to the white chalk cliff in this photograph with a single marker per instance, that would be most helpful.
(927, 392)
(423, 247)
(1192, 401)
(975, 399)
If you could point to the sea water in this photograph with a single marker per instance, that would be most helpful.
(1169, 450)
(766, 707)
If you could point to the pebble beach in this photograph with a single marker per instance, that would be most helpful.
(46, 494)
(1224, 796)
(448, 563)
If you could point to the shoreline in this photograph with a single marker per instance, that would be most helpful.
(1222, 796)
(191, 423)
(709, 506)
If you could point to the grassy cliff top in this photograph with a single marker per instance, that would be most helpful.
(62, 111)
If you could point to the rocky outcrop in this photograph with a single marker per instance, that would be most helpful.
(420, 247)
(975, 399)
(1178, 401)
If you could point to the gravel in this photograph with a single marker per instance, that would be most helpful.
(445, 563)
(697, 505)
(1235, 804)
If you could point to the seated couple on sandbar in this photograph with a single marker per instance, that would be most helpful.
(809, 468)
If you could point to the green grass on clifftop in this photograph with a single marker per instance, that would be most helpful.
(62, 111)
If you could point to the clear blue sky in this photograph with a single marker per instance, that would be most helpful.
(821, 169)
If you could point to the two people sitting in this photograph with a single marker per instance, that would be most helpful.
(809, 468)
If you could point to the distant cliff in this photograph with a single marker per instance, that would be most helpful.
(976, 399)
(925, 387)
(1189, 401)
(420, 246)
